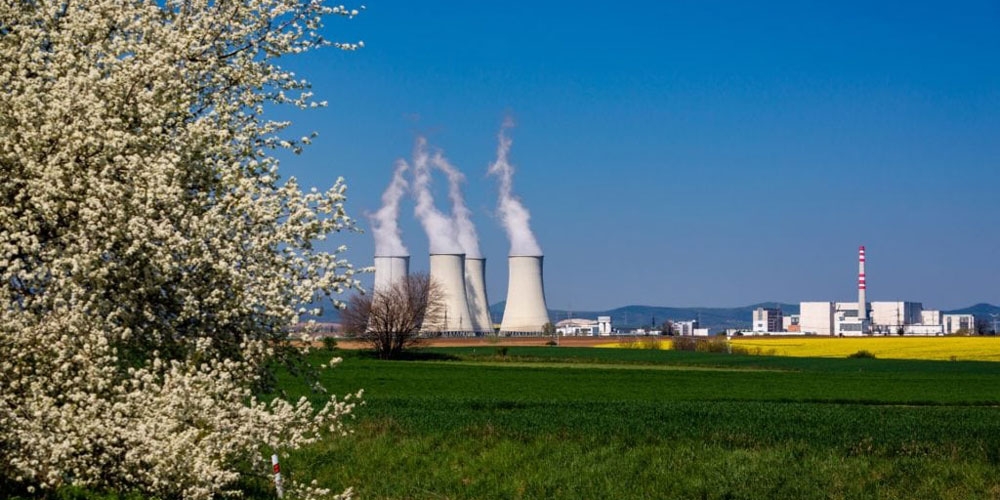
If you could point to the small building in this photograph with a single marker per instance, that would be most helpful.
(767, 319)
(700, 332)
(604, 325)
(790, 323)
(890, 317)
(584, 327)
(577, 326)
(930, 317)
(816, 318)
(923, 329)
(958, 323)
(684, 328)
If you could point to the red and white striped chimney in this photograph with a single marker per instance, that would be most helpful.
(862, 303)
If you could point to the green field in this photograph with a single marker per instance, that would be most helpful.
(553, 422)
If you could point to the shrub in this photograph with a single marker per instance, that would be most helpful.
(864, 354)
(716, 345)
(684, 344)
(329, 343)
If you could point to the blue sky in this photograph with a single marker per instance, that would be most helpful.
(686, 153)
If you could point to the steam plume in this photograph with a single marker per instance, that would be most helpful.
(513, 215)
(439, 227)
(385, 222)
(465, 229)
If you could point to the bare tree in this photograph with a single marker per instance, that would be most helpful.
(667, 328)
(390, 319)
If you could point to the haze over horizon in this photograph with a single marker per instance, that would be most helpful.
(707, 154)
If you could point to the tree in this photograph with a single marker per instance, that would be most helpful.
(667, 328)
(982, 326)
(549, 330)
(390, 319)
(150, 259)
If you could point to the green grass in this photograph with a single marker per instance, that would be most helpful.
(586, 423)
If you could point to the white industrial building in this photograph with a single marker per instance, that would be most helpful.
(872, 318)
(684, 328)
(767, 320)
(586, 327)
(953, 323)
(887, 318)
(790, 324)
(816, 318)
(891, 317)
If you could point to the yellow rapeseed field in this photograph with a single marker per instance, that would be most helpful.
(943, 348)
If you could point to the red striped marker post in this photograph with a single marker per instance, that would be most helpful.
(277, 475)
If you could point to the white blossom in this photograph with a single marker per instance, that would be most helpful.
(150, 257)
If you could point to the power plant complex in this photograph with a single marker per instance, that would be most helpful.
(859, 318)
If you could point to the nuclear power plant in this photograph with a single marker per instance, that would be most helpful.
(851, 319)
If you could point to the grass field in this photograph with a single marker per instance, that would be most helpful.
(542, 422)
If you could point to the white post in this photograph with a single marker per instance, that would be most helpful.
(277, 475)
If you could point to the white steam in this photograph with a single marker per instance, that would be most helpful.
(513, 215)
(461, 215)
(385, 222)
(439, 227)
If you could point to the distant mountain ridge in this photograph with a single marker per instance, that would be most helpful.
(714, 318)
(637, 316)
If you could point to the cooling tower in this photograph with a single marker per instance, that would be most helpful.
(448, 272)
(475, 288)
(526, 311)
(390, 270)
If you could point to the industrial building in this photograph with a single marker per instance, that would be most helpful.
(862, 317)
(767, 319)
(585, 327)
(953, 323)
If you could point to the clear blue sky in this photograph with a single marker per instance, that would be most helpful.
(686, 153)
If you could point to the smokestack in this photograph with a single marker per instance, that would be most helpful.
(526, 311)
(390, 270)
(862, 303)
(448, 272)
(475, 286)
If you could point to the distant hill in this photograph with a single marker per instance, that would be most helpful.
(714, 318)
(981, 310)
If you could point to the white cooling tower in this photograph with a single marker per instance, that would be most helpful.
(475, 288)
(448, 271)
(526, 311)
(390, 270)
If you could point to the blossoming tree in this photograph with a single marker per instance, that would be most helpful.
(150, 259)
